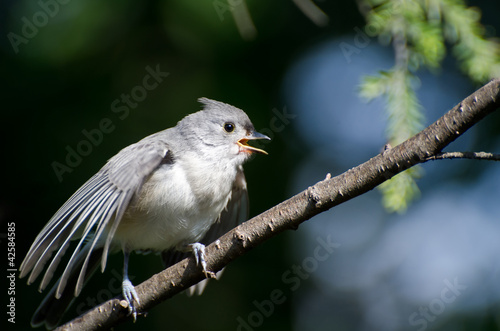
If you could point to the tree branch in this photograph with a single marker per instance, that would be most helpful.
(289, 214)
(466, 155)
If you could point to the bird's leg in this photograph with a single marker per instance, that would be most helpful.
(128, 289)
(198, 250)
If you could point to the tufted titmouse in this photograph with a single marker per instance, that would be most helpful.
(172, 192)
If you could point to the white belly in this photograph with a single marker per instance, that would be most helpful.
(172, 211)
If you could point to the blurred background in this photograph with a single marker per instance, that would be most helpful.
(84, 79)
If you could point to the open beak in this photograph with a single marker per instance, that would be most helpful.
(243, 143)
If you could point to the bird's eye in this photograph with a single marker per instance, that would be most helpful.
(229, 127)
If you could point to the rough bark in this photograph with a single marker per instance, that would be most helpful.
(426, 145)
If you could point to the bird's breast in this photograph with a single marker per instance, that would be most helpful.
(176, 206)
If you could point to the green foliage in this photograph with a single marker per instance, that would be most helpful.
(479, 58)
(418, 31)
(400, 190)
(405, 117)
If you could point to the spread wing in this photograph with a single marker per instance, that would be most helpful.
(93, 212)
(235, 213)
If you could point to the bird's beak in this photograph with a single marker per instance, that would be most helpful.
(243, 143)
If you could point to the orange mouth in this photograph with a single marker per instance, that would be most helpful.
(243, 143)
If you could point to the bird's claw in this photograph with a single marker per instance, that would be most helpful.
(130, 295)
(199, 254)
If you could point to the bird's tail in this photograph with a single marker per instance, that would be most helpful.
(51, 310)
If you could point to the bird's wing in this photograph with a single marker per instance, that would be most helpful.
(235, 213)
(94, 209)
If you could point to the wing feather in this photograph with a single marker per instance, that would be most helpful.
(93, 213)
(96, 215)
(66, 233)
(53, 230)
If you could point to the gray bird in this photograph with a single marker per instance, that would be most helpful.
(173, 192)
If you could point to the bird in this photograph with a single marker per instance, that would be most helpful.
(173, 192)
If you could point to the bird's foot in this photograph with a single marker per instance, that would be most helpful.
(199, 254)
(130, 295)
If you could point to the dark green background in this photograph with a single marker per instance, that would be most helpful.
(65, 80)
